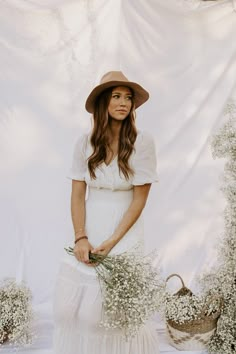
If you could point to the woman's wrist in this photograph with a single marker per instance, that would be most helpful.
(84, 237)
(114, 240)
(80, 232)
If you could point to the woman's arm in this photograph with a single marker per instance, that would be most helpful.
(82, 247)
(130, 217)
(78, 207)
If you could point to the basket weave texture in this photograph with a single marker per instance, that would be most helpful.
(194, 334)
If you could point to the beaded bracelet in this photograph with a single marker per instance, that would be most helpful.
(81, 238)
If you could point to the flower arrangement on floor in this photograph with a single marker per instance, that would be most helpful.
(15, 312)
(191, 319)
(221, 279)
(131, 287)
(183, 309)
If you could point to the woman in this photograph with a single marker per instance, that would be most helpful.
(116, 165)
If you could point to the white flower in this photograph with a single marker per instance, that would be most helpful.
(132, 290)
(15, 312)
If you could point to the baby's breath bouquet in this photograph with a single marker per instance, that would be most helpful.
(186, 308)
(15, 312)
(131, 287)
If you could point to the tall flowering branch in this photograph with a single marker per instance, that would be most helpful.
(222, 280)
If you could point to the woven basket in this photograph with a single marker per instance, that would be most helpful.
(195, 334)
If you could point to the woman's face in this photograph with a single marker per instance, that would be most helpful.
(120, 103)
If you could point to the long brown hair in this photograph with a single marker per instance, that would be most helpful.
(100, 139)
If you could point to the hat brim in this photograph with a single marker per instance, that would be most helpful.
(140, 94)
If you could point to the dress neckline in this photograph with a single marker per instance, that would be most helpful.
(114, 158)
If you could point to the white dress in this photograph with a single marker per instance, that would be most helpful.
(77, 295)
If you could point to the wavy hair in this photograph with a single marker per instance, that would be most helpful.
(100, 138)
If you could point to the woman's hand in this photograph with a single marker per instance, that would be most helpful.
(104, 248)
(81, 251)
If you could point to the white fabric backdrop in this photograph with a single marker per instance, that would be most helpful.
(52, 53)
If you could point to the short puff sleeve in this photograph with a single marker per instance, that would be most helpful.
(144, 160)
(79, 163)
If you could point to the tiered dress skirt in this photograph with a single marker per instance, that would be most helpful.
(77, 295)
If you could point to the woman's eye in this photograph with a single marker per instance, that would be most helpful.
(128, 98)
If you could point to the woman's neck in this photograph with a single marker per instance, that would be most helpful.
(115, 127)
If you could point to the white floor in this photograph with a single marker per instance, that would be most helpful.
(43, 328)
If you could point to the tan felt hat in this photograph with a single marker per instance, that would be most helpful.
(113, 79)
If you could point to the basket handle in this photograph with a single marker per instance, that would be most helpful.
(175, 275)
